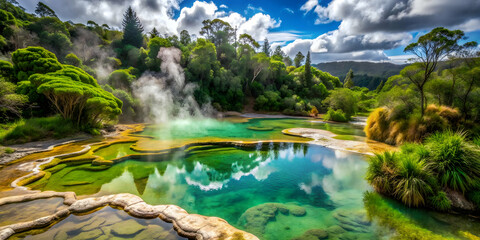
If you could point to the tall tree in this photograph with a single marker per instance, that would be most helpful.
(288, 61)
(308, 72)
(278, 53)
(43, 10)
(132, 29)
(185, 37)
(430, 49)
(154, 33)
(266, 47)
(298, 59)
(348, 82)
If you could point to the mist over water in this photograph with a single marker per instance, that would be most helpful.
(166, 97)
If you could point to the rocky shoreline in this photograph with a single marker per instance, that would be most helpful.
(192, 226)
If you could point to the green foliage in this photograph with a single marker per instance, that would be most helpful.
(31, 60)
(308, 72)
(405, 228)
(6, 70)
(416, 174)
(335, 115)
(132, 29)
(43, 10)
(270, 101)
(440, 201)
(121, 79)
(412, 184)
(7, 23)
(72, 59)
(344, 99)
(348, 82)
(35, 129)
(456, 161)
(298, 59)
(10, 103)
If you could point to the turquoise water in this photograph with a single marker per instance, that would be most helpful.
(277, 191)
(235, 184)
(253, 129)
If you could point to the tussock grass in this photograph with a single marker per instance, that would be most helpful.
(33, 129)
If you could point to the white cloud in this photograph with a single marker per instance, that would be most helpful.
(223, 6)
(251, 8)
(288, 10)
(365, 16)
(259, 25)
(152, 13)
(309, 5)
(190, 19)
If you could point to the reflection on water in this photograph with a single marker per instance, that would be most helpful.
(278, 191)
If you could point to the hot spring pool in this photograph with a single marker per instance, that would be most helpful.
(278, 191)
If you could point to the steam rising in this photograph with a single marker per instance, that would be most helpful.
(165, 96)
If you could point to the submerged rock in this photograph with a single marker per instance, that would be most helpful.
(354, 221)
(126, 228)
(256, 218)
(313, 234)
(94, 234)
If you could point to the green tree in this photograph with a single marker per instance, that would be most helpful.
(344, 99)
(7, 71)
(278, 53)
(132, 29)
(348, 82)
(185, 38)
(154, 33)
(121, 79)
(266, 47)
(288, 61)
(10, 102)
(72, 59)
(308, 72)
(43, 10)
(298, 59)
(77, 96)
(31, 60)
(429, 50)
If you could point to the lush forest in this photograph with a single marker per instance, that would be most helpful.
(84, 73)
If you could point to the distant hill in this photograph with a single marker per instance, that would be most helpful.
(366, 74)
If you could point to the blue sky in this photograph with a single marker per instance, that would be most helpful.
(335, 30)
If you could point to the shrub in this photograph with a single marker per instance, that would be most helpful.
(412, 185)
(397, 125)
(336, 115)
(31, 60)
(121, 79)
(381, 172)
(456, 161)
(342, 98)
(72, 59)
(440, 201)
(9, 150)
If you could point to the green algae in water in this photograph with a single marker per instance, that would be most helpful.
(114, 151)
(253, 129)
(106, 223)
(233, 183)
